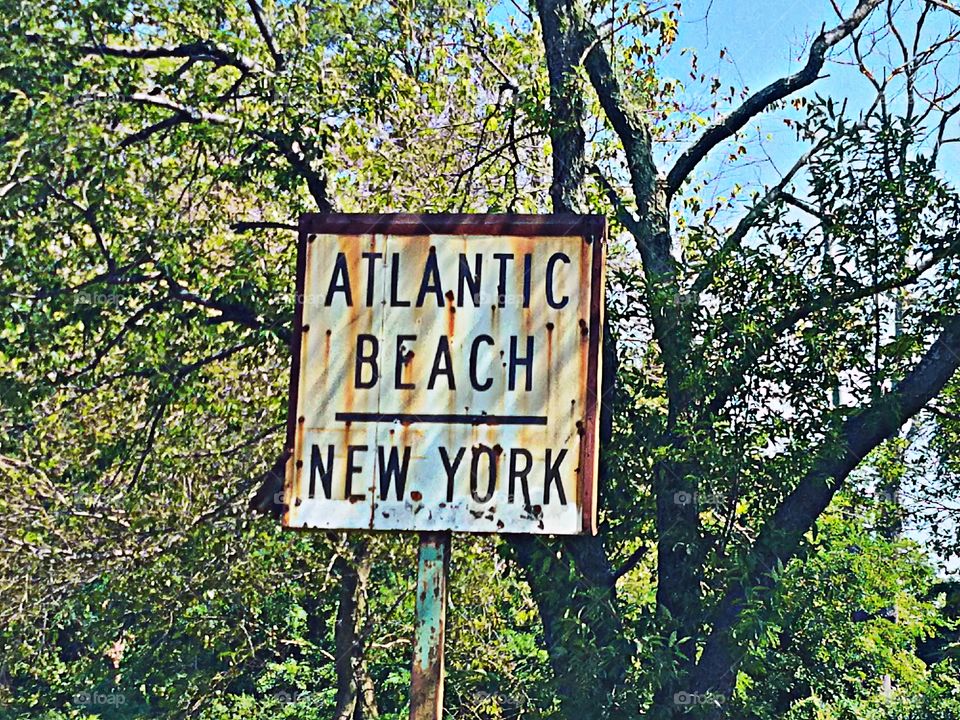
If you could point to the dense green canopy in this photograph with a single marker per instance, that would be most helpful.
(780, 426)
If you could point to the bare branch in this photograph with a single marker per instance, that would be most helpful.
(90, 217)
(177, 381)
(822, 301)
(748, 221)
(106, 347)
(151, 130)
(791, 199)
(764, 98)
(316, 179)
(229, 311)
(181, 114)
(946, 6)
(277, 56)
(189, 114)
(13, 180)
(624, 215)
(219, 54)
(630, 563)
(248, 225)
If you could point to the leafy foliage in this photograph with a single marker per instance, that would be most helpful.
(153, 158)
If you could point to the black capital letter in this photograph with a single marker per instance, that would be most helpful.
(491, 473)
(366, 358)
(395, 283)
(527, 263)
(551, 301)
(477, 385)
(451, 468)
(341, 285)
(393, 468)
(371, 258)
(353, 469)
(402, 359)
(430, 282)
(502, 258)
(552, 475)
(526, 362)
(471, 279)
(518, 473)
(325, 471)
(443, 353)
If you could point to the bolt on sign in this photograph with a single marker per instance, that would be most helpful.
(446, 372)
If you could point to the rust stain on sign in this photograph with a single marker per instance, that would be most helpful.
(446, 373)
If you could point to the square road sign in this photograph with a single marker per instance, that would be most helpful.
(445, 373)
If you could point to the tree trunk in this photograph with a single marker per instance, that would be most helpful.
(355, 694)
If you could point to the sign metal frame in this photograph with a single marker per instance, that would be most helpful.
(592, 230)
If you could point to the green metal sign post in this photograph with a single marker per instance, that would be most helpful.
(426, 677)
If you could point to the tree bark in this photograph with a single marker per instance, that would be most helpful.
(561, 43)
(355, 697)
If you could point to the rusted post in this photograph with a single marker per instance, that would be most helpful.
(426, 678)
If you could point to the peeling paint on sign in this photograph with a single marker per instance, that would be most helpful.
(445, 374)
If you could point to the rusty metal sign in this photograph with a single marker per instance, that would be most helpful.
(445, 373)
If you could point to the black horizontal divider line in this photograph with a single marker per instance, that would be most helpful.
(442, 418)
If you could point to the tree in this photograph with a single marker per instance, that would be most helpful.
(731, 320)
(155, 159)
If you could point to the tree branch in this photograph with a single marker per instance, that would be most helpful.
(316, 180)
(248, 225)
(764, 98)
(229, 311)
(946, 6)
(623, 213)
(220, 55)
(152, 130)
(822, 301)
(733, 240)
(652, 231)
(188, 114)
(277, 56)
(106, 347)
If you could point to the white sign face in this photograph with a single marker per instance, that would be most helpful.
(445, 375)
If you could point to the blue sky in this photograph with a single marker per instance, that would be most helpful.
(763, 41)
